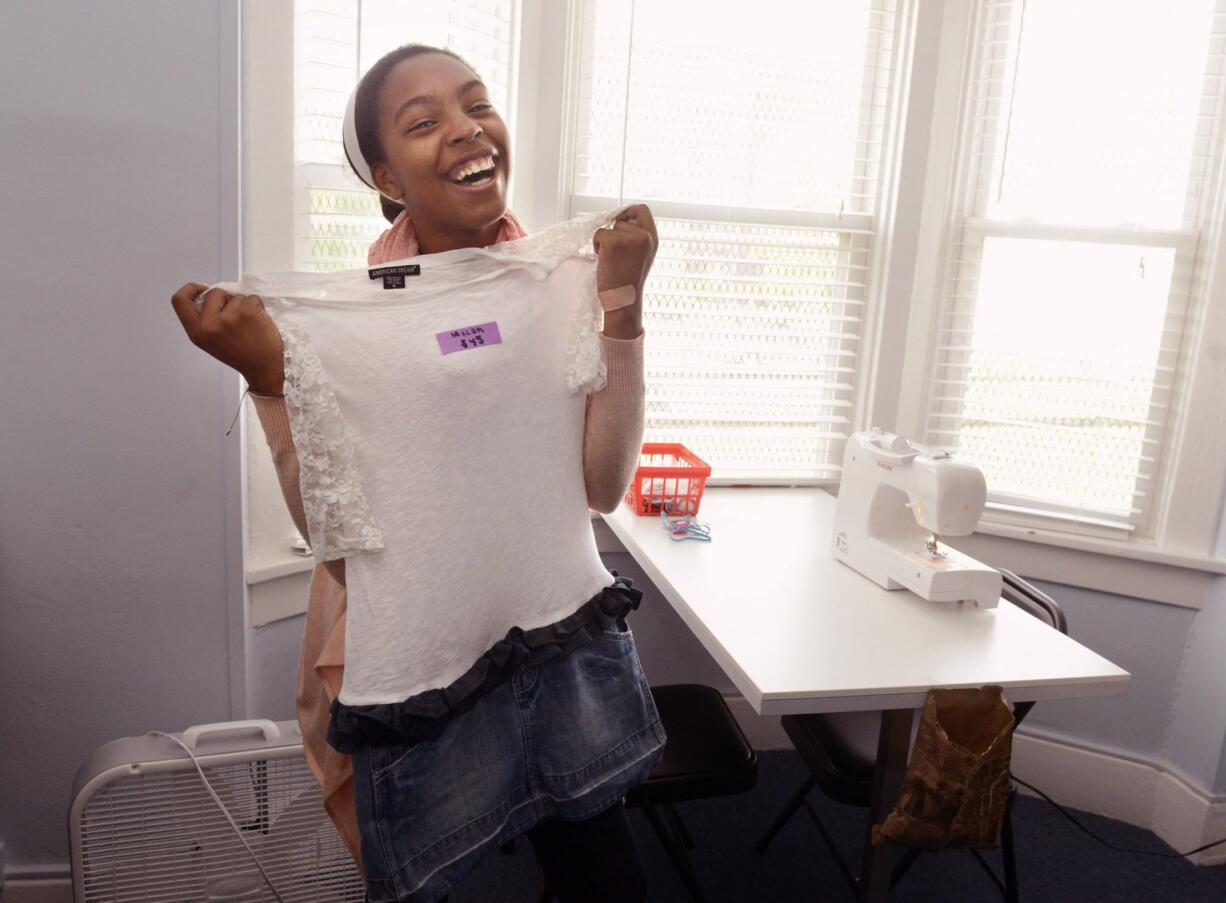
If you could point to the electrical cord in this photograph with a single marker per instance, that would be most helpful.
(1068, 815)
(224, 811)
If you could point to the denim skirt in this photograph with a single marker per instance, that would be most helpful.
(566, 738)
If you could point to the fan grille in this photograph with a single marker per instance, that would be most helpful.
(154, 836)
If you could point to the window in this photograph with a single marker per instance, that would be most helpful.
(1078, 227)
(758, 137)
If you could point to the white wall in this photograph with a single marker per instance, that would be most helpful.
(118, 567)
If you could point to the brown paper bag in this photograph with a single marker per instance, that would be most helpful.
(956, 785)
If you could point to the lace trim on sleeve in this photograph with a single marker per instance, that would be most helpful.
(337, 514)
(570, 236)
(586, 368)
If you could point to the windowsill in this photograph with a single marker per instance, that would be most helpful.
(1136, 551)
(273, 567)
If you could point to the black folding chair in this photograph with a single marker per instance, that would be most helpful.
(706, 755)
(840, 750)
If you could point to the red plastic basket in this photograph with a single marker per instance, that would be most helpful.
(669, 476)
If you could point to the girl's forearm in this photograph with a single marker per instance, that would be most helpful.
(625, 323)
(613, 427)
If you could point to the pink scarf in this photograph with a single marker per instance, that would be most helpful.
(400, 239)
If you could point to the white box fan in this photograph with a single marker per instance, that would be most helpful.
(145, 828)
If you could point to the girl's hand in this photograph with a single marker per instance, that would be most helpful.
(625, 251)
(237, 331)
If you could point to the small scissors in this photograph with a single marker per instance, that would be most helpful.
(682, 528)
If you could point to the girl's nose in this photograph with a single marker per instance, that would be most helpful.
(471, 132)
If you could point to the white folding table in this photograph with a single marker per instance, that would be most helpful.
(798, 631)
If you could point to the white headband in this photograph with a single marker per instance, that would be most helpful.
(349, 134)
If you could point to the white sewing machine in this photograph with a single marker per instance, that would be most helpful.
(896, 500)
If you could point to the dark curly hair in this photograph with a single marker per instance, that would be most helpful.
(366, 109)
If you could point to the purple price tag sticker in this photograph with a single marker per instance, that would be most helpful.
(468, 337)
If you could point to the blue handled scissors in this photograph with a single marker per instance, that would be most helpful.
(682, 528)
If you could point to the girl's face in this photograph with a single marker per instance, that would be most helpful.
(435, 113)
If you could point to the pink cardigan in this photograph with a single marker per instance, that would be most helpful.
(612, 438)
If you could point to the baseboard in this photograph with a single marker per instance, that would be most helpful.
(36, 890)
(41, 871)
(1095, 781)
(1137, 793)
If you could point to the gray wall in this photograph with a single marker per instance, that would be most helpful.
(1195, 747)
(1146, 639)
(116, 564)
(1174, 716)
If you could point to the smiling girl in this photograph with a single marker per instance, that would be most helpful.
(420, 815)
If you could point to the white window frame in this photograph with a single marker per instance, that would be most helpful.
(1178, 565)
(1185, 520)
(268, 242)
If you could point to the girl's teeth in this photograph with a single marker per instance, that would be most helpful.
(475, 166)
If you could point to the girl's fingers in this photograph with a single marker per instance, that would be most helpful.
(633, 221)
(183, 302)
(638, 217)
(639, 233)
(630, 215)
(232, 307)
(210, 307)
(242, 305)
(646, 220)
(599, 236)
(613, 233)
(189, 290)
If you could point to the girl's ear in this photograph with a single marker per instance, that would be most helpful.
(390, 208)
(386, 182)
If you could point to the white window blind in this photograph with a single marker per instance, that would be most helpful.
(756, 135)
(336, 216)
(1089, 135)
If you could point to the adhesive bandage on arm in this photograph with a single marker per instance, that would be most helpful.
(614, 298)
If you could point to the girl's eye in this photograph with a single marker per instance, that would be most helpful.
(483, 105)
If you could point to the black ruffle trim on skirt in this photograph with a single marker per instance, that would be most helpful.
(424, 715)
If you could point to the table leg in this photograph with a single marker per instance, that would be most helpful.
(893, 742)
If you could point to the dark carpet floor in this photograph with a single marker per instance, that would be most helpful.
(1056, 862)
